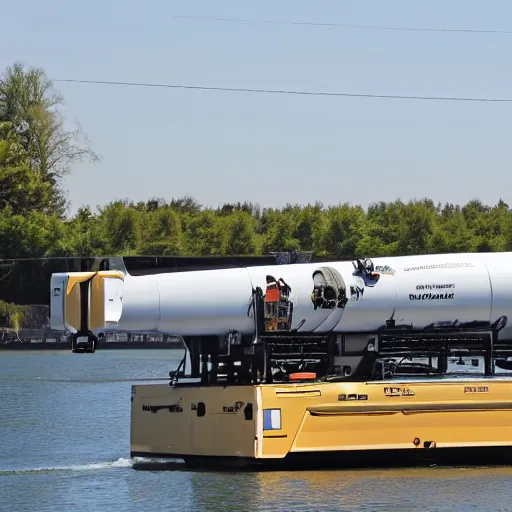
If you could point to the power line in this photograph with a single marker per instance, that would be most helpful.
(344, 25)
(290, 92)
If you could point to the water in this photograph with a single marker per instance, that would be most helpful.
(64, 446)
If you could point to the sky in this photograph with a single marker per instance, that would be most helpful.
(273, 149)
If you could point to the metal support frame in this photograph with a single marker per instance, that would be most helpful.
(88, 347)
(270, 356)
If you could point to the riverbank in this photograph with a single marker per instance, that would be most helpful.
(105, 345)
(45, 339)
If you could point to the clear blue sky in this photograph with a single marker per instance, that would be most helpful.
(222, 147)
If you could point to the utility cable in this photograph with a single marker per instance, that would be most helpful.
(346, 25)
(291, 92)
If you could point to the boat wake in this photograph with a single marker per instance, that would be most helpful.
(137, 463)
(119, 463)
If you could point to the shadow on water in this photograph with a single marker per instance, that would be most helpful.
(432, 489)
(376, 459)
(152, 465)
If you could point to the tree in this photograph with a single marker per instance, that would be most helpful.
(206, 234)
(21, 189)
(122, 228)
(33, 235)
(280, 227)
(241, 238)
(346, 227)
(452, 233)
(163, 236)
(186, 204)
(418, 225)
(310, 227)
(88, 234)
(29, 101)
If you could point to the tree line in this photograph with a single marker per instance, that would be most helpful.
(183, 227)
(37, 151)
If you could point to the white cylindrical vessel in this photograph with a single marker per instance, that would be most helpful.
(416, 291)
(140, 304)
(206, 302)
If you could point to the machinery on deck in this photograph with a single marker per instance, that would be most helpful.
(343, 361)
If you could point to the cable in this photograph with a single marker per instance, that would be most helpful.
(342, 25)
(291, 92)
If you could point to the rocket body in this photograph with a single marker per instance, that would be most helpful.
(338, 296)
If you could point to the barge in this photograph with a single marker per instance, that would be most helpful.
(388, 360)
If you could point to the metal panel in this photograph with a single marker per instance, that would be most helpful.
(442, 289)
(58, 286)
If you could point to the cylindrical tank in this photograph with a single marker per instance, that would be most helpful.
(416, 291)
(206, 302)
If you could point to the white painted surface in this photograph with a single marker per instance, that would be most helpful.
(417, 290)
(427, 295)
(113, 292)
(58, 285)
(141, 304)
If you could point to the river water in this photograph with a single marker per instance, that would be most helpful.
(64, 446)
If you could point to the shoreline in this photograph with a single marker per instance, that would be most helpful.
(116, 345)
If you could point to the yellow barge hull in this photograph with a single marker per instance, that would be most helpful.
(345, 423)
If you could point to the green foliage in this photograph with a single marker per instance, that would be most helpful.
(36, 152)
(279, 230)
(14, 313)
(241, 236)
(346, 226)
(28, 103)
(162, 235)
(21, 188)
(337, 232)
(204, 234)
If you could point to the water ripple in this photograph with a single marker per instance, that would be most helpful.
(64, 445)
(119, 463)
